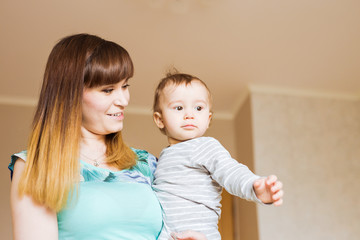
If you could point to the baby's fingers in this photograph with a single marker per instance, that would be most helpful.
(271, 179)
(277, 198)
(277, 186)
(278, 202)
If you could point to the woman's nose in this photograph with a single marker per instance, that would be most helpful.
(121, 100)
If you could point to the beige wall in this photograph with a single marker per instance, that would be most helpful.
(313, 145)
(139, 132)
(245, 217)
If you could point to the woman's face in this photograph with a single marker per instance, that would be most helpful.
(103, 108)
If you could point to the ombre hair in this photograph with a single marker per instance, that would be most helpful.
(52, 169)
(173, 77)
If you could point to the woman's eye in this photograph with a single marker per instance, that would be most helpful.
(125, 86)
(198, 108)
(107, 90)
(179, 108)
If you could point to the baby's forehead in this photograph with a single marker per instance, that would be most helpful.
(171, 87)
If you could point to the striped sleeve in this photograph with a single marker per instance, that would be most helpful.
(235, 177)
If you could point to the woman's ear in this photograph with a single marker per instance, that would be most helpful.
(158, 120)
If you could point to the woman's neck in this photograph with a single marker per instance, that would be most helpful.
(93, 150)
(92, 144)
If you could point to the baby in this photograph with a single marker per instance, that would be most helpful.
(193, 169)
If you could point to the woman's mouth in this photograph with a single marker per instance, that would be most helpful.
(117, 116)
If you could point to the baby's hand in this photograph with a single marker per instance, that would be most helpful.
(269, 190)
(188, 235)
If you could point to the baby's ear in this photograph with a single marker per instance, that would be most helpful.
(158, 120)
(210, 118)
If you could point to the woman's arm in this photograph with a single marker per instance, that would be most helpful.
(30, 220)
(188, 235)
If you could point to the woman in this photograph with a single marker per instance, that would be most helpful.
(77, 179)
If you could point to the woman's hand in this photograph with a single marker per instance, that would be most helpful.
(188, 235)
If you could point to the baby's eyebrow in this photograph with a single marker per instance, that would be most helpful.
(203, 101)
(175, 102)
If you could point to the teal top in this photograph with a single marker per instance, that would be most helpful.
(111, 204)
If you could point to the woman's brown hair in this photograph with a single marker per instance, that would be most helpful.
(52, 164)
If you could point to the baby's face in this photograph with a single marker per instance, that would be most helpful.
(185, 111)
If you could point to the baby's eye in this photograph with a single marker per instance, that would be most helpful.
(199, 108)
(107, 90)
(179, 108)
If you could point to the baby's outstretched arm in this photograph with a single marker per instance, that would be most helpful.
(269, 190)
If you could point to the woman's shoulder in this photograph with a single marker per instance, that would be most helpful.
(145, 161)
(143, 155)
(21, 155)
(14, 157)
